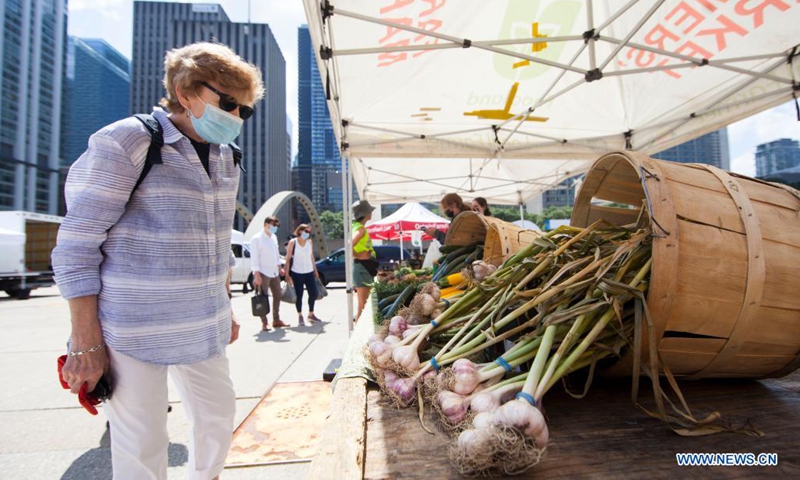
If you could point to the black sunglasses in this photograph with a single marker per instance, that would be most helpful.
(228, 104)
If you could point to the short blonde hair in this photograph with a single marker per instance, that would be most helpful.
(186, 67)
(301, 228)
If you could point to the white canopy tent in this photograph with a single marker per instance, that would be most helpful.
(506, 98)
(406, 224)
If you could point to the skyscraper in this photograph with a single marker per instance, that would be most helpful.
(160, 26)
(33, 49)
(318, 159)
(711, 149)
(97, 92)
(776, 156)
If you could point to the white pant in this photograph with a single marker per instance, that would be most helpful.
(137, 412)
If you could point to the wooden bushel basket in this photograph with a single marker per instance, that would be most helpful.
(468, 228)
(725, 284)
(504, 239)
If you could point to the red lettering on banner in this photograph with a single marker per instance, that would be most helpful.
(387, 58)
(397, 4)
(409, 12)
(430, 25)
(690, 30)
(392, 31)
(757, 12)
(671, 73)
(434, 6)
(692, 49)
(640, 57)
(719, 33)
(659, 42)
(709, 6)
(688, 12)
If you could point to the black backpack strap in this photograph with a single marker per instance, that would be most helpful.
(156, 142)
(237, 156)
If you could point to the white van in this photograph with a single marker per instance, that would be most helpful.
(241, 272)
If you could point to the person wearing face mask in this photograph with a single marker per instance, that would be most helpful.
(265, 262)
(303, 271)
(143, 262)
(451, 205)
(479, 205)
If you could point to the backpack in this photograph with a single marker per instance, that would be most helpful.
(157, 141)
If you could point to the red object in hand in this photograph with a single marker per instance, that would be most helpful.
(86, 399)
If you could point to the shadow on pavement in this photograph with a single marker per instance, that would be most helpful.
(274, 335)
(96, 463)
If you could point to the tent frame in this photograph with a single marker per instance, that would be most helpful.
(590, 37)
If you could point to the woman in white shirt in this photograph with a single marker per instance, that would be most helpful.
(303, 271)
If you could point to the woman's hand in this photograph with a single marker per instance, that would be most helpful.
(234, 329)
(86, 368)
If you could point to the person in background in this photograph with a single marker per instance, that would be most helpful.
(365, 265)
(452, 205)
(144, 269)
(303, 271)
(266, 266)
(479, 205)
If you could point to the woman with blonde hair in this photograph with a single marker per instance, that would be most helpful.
(303, 271)
(143, 258)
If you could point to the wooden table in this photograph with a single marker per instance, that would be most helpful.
(601, 436)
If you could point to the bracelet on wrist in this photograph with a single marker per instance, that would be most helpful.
(88, 350)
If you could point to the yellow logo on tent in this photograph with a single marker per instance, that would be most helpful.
(535, 47)
(557, 19)
(506, 113)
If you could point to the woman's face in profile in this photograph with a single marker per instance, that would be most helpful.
(476, 207)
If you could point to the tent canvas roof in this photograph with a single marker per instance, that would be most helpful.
(505, 99)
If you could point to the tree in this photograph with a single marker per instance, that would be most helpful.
(332, 224)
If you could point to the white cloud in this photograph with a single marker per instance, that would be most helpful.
(743, 136)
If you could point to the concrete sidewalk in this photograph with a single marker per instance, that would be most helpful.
(47, 435)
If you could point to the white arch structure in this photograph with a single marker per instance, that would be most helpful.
(272, 207)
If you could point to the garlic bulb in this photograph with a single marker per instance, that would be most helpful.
(466, 376)
(381, 352)
(453, 405)
(397, 325)
(484, 402)
(406, 356)
(410, 331)
(391, 340)
(525, 417)
(472, 441)
(483, 420)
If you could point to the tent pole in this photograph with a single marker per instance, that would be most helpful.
(348, 233)
(521, 212)
(401, 246)
(459, 41)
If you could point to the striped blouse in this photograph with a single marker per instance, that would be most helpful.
(158, 262)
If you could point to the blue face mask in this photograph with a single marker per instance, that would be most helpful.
(305, 235)
(273, 228)
(216, 126)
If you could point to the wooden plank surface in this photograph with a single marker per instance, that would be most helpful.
(341, 452)
(605, 436)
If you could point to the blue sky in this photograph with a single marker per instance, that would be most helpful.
(112, 20)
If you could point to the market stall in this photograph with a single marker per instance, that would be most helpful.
(506, 99)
